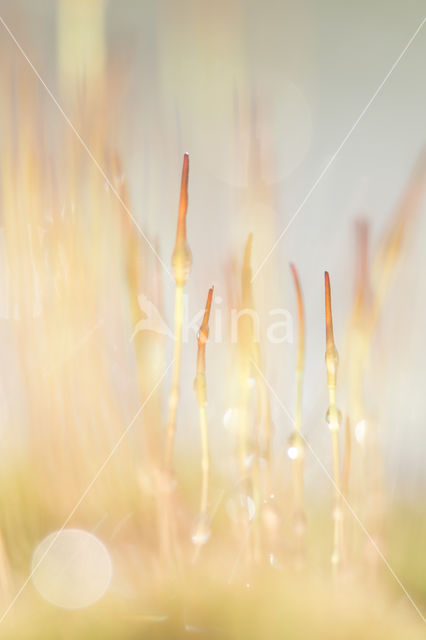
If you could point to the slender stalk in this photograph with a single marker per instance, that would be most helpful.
(347, 459)
(389, 252)
(245, 347)
(249, 353)
(146, 346)
(201, 393)
(174, 390)
(333, 419)
(358, 334)
(297, 445)
(181, 263)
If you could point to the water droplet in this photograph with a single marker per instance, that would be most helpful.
(152, 618)
(299, 523)
(360, 431)
(263, 463)
(166, 482)
(249, 460)
(337, 513)
(334, 419)
(295, 446)
(201, 530)
(271, 518)
(332, 358)
(241, 508)
(274, 561)
(191, 628)
(293, 452)
(229, 415)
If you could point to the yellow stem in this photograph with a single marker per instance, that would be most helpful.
(331, 361)
(205, 460)
(174, 391)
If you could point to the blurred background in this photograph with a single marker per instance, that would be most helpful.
(261, 94)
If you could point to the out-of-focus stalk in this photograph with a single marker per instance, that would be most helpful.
(295, 450)
(181, 263)
(245, 352)
(148, 346)
(246, 356)
(81, 46)
(347, 459)
(391, 248)
(333, 420)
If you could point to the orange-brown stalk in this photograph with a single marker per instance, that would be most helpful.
(181, 263)
(201, 393)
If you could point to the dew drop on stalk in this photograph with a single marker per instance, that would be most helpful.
(227, 418)
(295, 447)
(293, 452)
(299, 523)
(270, 518)
(241, 508)
(249, 461)
(360, 431)
(201, 530)
(333, 419)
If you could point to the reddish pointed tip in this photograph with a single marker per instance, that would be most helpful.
(208, 307)
(204, 329)
(185, 165)
(209, 296)
(183, 200)
(296, 280)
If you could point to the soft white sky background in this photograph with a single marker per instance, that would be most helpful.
(198, 74)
